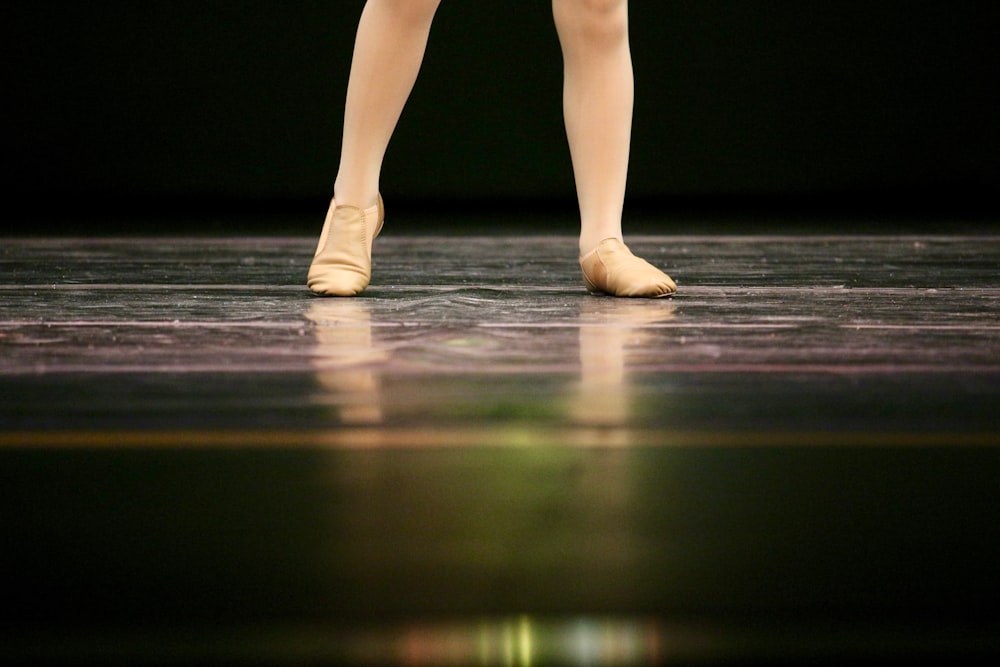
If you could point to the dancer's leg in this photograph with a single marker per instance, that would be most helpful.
(597, 103)
(388, 51)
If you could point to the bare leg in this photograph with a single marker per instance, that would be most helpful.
(597, 103)
(598, 94)
(388, 51)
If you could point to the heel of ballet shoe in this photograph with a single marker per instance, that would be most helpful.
(594, 272)
(612, 269)
(380, 215)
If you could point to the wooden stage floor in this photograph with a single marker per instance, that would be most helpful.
(796, 459)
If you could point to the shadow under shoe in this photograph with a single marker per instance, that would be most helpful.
(611, 268)
(342, 265)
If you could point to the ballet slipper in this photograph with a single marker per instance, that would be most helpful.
(611, 268)
(342, 265)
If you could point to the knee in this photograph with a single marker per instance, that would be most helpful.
(411, 11)
(594, 22)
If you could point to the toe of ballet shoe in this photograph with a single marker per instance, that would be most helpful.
(337, 283)
(648, 289)
(612, 269)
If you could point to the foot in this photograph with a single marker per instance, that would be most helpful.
(611, 268)
(342, 265)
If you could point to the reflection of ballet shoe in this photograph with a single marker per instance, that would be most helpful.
(345, 358)
(342, 265)
(624, 313)
(611, 268)
(343, 334)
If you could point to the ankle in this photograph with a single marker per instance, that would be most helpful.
(589, 242)
(358, 197)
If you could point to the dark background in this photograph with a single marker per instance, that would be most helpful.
(205, 111)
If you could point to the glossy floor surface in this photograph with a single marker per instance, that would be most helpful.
(796, 458)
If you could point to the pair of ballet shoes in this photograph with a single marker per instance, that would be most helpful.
(342, 264)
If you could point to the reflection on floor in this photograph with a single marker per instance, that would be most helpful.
(794, 459)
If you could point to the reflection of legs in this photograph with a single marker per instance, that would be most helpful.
(611, 331)
(604, 393)
(597, 102)
(388, 51)
(346, 359)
